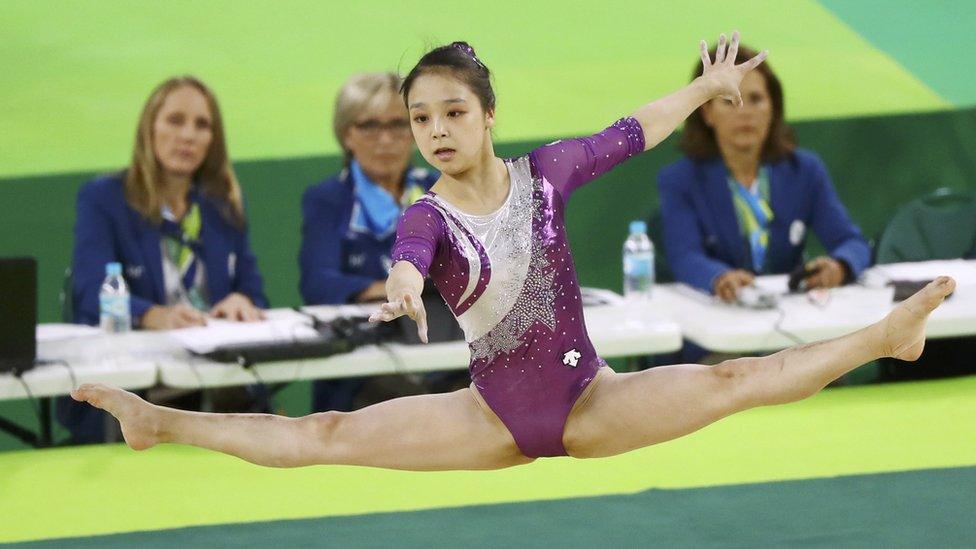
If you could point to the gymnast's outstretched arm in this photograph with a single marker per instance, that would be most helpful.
(569, 164)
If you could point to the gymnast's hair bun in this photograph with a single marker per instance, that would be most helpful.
(464, 47)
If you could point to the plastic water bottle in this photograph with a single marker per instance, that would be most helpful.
(113, 301)
(638, 262)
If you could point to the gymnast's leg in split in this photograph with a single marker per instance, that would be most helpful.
(634, 410)
(457, 431)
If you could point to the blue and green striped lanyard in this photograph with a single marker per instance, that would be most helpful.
(182, 242)
(754, 214)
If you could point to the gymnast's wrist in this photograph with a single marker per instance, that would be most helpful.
(398, 294)
(705, 87)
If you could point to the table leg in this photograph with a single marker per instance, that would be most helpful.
(44, 441)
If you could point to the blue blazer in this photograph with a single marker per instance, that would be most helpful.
(108, 229)
(337, 259)
(702, 238)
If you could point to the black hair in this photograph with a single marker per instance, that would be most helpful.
(459, 59)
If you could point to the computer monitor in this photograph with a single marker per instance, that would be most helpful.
(18, 313)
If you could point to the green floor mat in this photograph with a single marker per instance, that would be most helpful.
(109, 489)
(931, 508)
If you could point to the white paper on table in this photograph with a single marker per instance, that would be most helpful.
(53, 332)
(775, 284)
(218, 333)
(963, 271)
(328, 313)
(593, 297)
(845, 302)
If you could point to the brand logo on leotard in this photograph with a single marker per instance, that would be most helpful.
(571, 357)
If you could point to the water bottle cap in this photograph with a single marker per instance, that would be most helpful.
(113, 269)
(638, 227)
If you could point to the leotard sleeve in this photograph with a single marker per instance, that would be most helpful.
(419, 234)
(571, 163)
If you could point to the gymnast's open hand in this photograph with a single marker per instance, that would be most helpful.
(723, 75)
(403, 288)
(409, 304)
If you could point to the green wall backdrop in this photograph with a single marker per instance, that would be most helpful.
(880, 90)
(877, 163)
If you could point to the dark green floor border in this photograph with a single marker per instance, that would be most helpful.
(908, 509)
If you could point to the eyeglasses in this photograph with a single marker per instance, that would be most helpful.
(372, 128)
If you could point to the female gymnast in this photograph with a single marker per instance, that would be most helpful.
(491, 235)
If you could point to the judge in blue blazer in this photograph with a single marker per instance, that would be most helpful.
(174, 220)
(743, 200)
(349, 219)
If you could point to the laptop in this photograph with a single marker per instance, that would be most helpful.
(18, 313)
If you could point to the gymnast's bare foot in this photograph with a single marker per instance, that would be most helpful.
(139, 419)
(903, 330)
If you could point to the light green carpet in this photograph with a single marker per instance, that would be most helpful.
(868, 429)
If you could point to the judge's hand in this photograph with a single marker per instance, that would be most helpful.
(830, 273)
(728, 283)
(176, 316)
(237, 306)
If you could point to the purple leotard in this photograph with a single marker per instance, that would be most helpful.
(509, 279)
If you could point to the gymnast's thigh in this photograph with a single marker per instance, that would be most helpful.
(624, 412)
(426, 432)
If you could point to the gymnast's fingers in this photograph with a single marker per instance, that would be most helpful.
(388, 311)
(720, 49)
(421, 319)
(733, 48)
(409, 305)
(755, 61)
(415, 309)
(706, 59)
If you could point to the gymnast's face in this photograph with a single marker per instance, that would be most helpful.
(452, 131)
(743, 128)
(182, 131)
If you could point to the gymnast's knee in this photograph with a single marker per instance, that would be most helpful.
(762, 381)
(743, 381)
(320, 437)
(735, 372)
